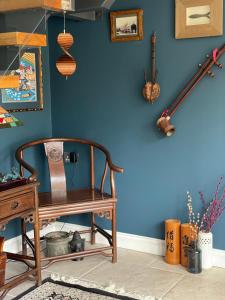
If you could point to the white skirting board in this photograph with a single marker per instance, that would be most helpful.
(124, 240)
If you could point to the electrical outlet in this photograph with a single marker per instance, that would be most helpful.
(71, 157)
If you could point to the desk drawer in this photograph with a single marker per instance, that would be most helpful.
(13, 206)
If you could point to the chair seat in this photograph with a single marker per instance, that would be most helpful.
(75, 201)
(74, 196)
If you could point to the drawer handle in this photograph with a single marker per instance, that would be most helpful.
(15, 205)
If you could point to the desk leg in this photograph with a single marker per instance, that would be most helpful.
(24, 231)
(37, 251)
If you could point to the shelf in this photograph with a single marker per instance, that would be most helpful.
(22, 39)
(9, 81)
(55, 5)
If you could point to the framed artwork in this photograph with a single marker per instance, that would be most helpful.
(126, 25)
(29, 95)
(199, 18)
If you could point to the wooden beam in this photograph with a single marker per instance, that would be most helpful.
(22, 39)
(9, 81)
(55, 5)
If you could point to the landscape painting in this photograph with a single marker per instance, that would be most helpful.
(126, 25)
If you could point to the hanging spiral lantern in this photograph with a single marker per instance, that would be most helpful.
(66, 64)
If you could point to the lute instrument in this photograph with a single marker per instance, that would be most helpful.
(151, 90)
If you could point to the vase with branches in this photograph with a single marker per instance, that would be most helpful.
(203, 224)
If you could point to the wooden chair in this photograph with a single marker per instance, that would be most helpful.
(62, 202)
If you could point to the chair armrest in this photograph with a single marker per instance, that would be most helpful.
(115, 168)
(25, 165)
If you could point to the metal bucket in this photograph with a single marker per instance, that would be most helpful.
(57, 243)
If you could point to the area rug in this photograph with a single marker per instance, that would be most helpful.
(59, 290)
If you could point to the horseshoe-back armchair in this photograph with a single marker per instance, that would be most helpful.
(63, 202)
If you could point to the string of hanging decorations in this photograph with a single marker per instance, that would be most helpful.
(66, 64)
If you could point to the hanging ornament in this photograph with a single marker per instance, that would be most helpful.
(66, 64)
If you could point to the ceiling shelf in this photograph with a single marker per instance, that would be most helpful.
(9, 81)
(55, 5)
(23, 39)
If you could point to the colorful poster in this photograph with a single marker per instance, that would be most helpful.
(27, 91)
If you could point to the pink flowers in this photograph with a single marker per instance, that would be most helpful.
(213, 210)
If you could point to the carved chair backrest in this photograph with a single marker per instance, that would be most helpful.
(54, 149)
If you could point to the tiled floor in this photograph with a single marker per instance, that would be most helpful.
(139, 273)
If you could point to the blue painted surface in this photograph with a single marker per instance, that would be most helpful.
(36, 125)
(103, 102)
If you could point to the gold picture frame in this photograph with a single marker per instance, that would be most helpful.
(198, 18)
(126, 25)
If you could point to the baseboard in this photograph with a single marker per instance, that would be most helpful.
(124, 240)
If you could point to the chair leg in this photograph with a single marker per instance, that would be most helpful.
(37, 250)
(114, 239)
(92, 228)
(24, 231)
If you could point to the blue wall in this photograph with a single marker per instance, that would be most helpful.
(36, 125)
(103, 102)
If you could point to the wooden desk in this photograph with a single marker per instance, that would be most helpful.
(22, 202)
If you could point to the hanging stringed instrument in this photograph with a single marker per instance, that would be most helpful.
(163, 122)
(151, 90)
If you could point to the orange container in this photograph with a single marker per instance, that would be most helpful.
(186, 233)
(172, 239)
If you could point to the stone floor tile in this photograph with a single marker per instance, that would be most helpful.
(21, 288)
(208, 285)
(76, 268)
(160, 264)
(134, 277)
(136, 257)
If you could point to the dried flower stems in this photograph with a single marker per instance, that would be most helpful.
(194, 221)
(211, 214)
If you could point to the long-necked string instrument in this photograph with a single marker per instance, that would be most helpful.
(151, 90)
(204, 69)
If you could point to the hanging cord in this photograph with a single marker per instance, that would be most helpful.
(64, 21)
(21, 48)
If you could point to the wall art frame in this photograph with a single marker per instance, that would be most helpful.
(29, 96)
(127, 25)
(198, 18)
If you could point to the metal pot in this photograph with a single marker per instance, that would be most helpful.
(57, 243)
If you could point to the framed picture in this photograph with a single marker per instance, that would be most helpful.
(199, 18)
(126, 25)
(29, 95)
